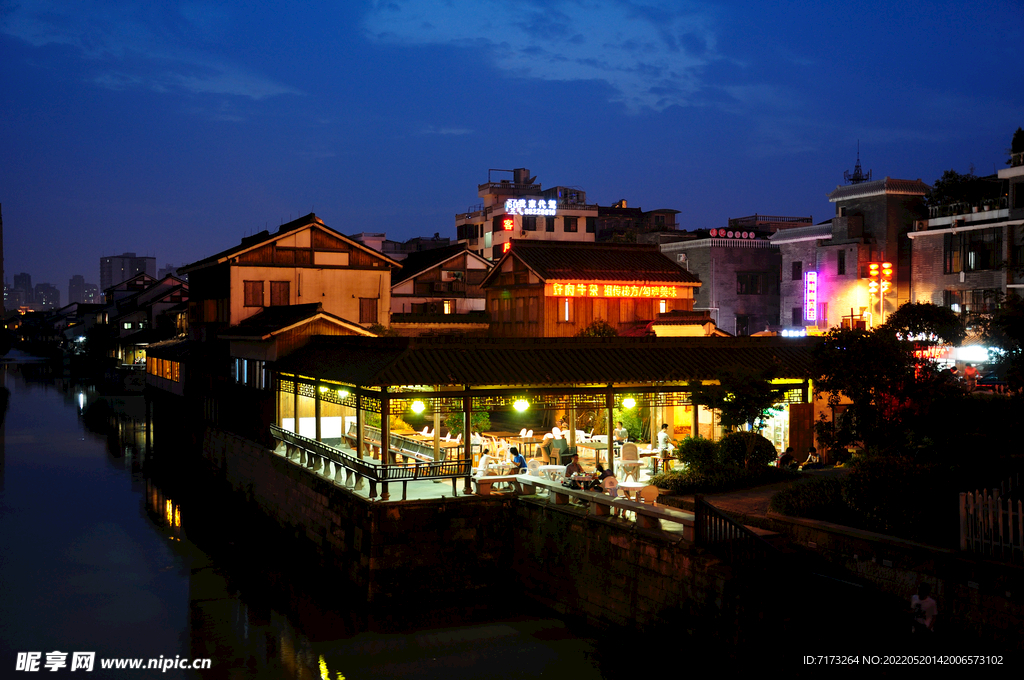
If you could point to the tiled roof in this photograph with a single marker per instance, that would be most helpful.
(596, 262)
(265, 236)
(175, 350)
(423, 260)
(540, 361)
(879, 187)
(814, 232)
(271, 320)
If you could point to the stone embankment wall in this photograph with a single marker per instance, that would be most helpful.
(982, 597)
(618, 575)
(607, 571)
(416, 549)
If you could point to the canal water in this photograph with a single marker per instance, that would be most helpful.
(106, 547)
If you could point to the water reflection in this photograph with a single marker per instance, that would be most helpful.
(117, 546)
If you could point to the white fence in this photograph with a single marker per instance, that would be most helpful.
(992, 526)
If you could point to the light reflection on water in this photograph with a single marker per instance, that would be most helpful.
(97, 556)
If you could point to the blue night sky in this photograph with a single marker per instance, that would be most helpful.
(173, 129)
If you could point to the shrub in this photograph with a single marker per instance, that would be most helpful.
(739, 447)
(819, 498)
(698, 453)
(896, 495)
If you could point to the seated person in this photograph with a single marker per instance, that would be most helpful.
(813, 460)
(786, 459)
(573, 468)
(518, 461)
(621, 434)
(602, 474)
(484, 467)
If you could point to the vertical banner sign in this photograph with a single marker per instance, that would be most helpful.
(811, 296)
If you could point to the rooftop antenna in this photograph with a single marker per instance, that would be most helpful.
(857, 176)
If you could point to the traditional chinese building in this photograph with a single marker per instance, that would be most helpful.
(438, 292)
(556, 289)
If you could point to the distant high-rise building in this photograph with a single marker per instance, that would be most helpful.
(23, 282)
(167, 270)
(117, 268)
(47, 296)
(76, 289)
(91, 294)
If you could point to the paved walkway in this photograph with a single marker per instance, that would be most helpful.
(751, 503)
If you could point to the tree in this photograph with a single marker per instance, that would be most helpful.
(478, 420)
(925, 323)
(953, 188)
(1016, 145)
(598, 328)
(1005, 331)
(890, 394)
(743, 396)
(380, 330)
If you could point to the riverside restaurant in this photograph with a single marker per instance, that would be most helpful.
(340, 397)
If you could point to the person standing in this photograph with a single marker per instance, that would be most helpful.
(970, 377)
(925, 610)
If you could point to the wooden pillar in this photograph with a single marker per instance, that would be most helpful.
(295, 404)
(359, 424)
(467, 439)
(572, 426)
(610, 405)
(695, 421)
(437, 429)
(359, 435)
(316, 408)
(385, 442)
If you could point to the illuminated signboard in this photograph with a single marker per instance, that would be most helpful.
(811, 296)
(508, 224)
(934, 352)
(608, 290)
(530, 206)
(505, 247)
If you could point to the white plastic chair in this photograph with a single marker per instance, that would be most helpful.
(426, 431)
(629, 461)
(522, 432)
(529, 434)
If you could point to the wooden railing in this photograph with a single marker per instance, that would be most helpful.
(728, 538)
(349, 468)
(991, 525)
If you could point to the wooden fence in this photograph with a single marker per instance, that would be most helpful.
(991, 525)
(715, 531)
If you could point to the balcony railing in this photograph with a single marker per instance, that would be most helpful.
(348, 468)
(953, 209)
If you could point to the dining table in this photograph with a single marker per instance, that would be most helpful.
(632, 490)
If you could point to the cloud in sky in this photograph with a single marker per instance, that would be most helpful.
(139, 45)
(651, 54)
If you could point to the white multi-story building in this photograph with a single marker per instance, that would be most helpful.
(522, 209)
